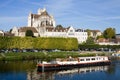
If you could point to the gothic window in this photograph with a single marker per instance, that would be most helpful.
(47, 23)
(43, 23)
(51, 24)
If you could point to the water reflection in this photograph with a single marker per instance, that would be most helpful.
(27, 70)
(69, 73)
(84, 70)
(17, 66)
(16, 70)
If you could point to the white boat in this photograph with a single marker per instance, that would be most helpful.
(69, 63)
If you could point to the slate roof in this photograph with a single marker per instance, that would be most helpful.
(45, 13)
(24, 29)
(95, 30)
(56, 29)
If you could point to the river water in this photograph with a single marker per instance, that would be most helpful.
(27, 70)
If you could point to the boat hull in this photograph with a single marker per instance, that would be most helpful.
(58, 67)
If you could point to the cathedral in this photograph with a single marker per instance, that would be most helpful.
(43, 24)
(42, 19)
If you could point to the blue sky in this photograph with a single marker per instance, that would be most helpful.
(85, 14)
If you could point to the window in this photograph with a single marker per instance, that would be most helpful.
(93, 58)
(103, 58)
(87, 70)
(71, 34)
(81, 59)
(87, 59)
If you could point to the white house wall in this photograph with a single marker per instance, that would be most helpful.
(55, 34)
(2, 33)
(36, 34)
(22, 34)
(81, 36)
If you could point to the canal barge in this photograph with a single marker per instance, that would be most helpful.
(70, 63)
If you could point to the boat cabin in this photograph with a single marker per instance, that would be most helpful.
(93, 59)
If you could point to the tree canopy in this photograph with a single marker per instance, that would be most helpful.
(101, 36)
(88, 32)
(59, 26)
(29, 33)
(109, 33)
(89, 41)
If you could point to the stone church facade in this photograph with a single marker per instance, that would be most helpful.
(42, 19)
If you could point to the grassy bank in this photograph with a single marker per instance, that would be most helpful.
(42, 55)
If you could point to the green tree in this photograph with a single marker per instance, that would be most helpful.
(10, 30)
(109, 33)
(90, 40)
(101, 36)
(29, 33)
(88, 32)
(59, 26)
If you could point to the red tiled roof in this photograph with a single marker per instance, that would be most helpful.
(102, 40)
(95, 30)
(108, 40)
(118, 39)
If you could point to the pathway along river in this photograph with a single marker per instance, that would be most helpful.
(27, 70)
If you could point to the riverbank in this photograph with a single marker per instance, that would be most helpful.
(43, 55)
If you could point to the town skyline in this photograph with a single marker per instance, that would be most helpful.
(83, 14)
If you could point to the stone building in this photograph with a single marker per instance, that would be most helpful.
(42, 19)
(95, 33)
(118, 36)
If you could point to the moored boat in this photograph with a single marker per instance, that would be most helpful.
(116, 55)
(69, 63)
